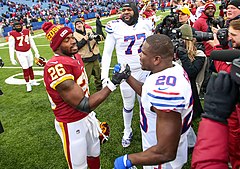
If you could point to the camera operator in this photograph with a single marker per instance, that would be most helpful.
(234, 120)
(89, 50)
(192, 60)
(211, 149)
(204, 24)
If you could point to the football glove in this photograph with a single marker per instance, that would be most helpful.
(119, 75)
(220, 98)
(122, 162)
(41, 61)
(104, 133)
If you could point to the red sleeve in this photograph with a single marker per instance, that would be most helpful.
(220, 65)
(197, 25)
(211, 149)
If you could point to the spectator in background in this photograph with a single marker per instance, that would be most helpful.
(89, 51)
(21, 41)
(69, 24)
(200, 8)
(99, 26)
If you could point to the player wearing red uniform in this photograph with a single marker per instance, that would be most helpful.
(21, 41)
(67, 87)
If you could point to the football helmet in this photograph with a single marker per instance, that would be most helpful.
(104, 133)
(41, 61)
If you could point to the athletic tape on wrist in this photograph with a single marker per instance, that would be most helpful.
(107, 82)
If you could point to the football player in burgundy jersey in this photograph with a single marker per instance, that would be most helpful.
(21, 41)
(67, 87)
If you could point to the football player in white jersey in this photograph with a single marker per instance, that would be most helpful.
(127, 36)
(166, 108)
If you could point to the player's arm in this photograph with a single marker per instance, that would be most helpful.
(73, 94)
(135, 85)
(33, 46)
(168, 130)
(11, 43)
(109, 45)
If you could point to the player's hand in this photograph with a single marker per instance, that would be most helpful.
(119, 75)
(122, 162)
(37, 55)
(13, 61)
(220, 98)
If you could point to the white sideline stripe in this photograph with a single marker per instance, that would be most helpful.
(41, 34)
(11, 67)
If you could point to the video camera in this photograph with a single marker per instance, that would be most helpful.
(168, 24)
(203, 36)
(176, 38)
(229, 56)
(222, 36)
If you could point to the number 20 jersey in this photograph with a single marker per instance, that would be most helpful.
(129, 40)
(168, 90)
(57, 70)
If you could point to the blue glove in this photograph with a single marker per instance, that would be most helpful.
(122, 162)
(117, 68)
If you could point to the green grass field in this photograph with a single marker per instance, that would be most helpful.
(30, 140)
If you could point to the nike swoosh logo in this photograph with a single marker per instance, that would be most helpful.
(162, 88)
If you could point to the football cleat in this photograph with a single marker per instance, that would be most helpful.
(41, 61)
(127, 142)
(104, 133)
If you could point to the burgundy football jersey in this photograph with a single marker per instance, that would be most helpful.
(22, 41)
(57, 70)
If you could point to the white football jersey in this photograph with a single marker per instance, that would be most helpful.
(127, 40)
(167, 90)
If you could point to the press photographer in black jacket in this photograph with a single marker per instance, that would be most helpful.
(192, 60)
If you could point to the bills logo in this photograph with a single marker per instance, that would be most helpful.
(64, 33)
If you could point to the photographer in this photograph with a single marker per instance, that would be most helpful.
(192, 60)
(89, 50)
(211, 149)
(234, 120)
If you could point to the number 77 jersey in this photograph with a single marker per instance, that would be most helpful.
(127, 40)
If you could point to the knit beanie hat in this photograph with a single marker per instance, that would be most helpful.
(235, 3)
(55, 33)
(186, 31)
(208, 5)
(82, 20)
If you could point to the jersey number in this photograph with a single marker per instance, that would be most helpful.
(132, 40)
(56, 71)
(22, 39)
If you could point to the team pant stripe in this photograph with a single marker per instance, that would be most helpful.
(64, 129)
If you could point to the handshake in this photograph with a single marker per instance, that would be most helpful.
(118, 76)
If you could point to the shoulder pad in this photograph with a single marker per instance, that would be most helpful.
(111, 25)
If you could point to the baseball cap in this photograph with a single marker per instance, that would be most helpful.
(184, 10)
